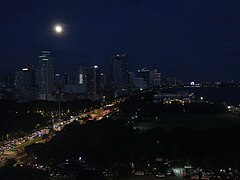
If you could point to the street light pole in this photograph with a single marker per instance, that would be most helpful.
(59, 30)
(59, 104)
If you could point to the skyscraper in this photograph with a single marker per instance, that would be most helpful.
(25, 84)
(66, 79)
(9, 80)
(25, 78)
(152, 78)
(82, 73)
(156, 79)
(81, 85)
(57, 80)
(94, 83)
(45, 75)
(119, 73)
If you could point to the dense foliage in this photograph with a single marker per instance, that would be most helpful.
(18, 118)
(110, 142)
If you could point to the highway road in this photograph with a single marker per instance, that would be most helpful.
(10, 149)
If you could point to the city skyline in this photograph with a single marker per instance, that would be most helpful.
(43, 82)
(103, 69)
(189, 40)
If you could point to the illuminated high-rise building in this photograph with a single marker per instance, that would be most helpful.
(57, 80)
(119, 73)
(45, 75)
(82, 73)
(25, 78)
(93, 82)
(144, 73)
(155, 78)
(76, 84)
(25, 84)
(88, 83)
(152, 78)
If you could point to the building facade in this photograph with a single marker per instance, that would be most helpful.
(45, 76)
(25, 84)
(94, 83)
(119, 73)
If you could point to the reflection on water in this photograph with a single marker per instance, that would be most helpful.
(216, 95)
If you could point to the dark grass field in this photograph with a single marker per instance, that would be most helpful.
(195, 121)
(133, 177)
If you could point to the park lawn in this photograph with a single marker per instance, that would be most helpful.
(195, 121)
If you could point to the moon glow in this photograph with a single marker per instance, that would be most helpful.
(58, 29)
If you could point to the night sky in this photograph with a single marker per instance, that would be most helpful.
(189, 39)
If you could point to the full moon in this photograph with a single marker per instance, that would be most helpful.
(58, 29)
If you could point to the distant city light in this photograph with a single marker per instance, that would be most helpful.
(192, 83)
(95, 67)
(80, 78)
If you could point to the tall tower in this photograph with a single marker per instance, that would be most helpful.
(144, 73)
(25, 84)
(119, 73)
(94, 82)
(66, 79)
(82, 79)
(45, 75)
(25, 78)
(9, 80)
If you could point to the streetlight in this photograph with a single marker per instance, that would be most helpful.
(58, 30)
